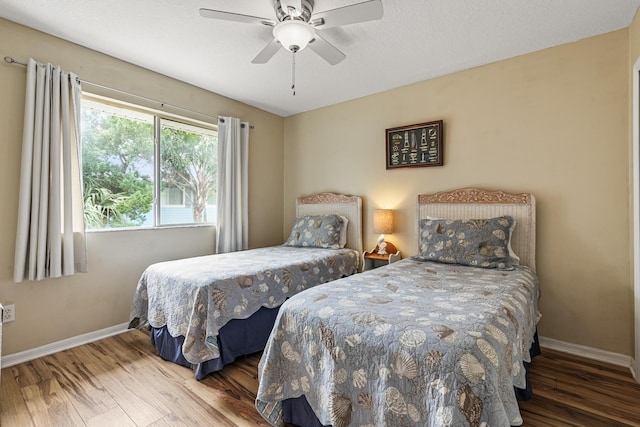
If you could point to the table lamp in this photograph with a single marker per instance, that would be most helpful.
(383, 224)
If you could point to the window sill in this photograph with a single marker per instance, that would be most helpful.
(160, 227)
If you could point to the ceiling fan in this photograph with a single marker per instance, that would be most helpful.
(296, 26)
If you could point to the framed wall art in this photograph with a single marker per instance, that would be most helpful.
(415, 145)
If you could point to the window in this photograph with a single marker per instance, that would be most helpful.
(142, 169)
(172, 196)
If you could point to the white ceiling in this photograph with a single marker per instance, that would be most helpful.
(414, 41)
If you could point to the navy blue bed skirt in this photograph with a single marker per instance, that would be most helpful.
(298, 411)
(239, 337)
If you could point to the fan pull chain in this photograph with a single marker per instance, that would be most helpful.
(293, 73)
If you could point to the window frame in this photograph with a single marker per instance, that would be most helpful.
(158, 116)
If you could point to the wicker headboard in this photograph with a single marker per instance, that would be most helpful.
(339, 204)
(471, 203)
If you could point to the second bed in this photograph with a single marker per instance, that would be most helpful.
(206, 311)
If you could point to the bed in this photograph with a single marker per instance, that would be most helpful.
(204, 312)
(439, 339)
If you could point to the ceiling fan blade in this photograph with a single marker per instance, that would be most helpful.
(235, 17)
(267, 53)
(326, 50)
(359, 12)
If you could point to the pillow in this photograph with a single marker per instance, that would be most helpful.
(474, 242)
(342, 241)
(318, 231)
(515, 259)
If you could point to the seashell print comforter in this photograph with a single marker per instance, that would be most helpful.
(195, 297)
(410, 344)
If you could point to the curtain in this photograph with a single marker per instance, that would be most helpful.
(50, 238)
(232, 224)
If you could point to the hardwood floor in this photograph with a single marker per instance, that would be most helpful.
(120, 381)
(574, 391)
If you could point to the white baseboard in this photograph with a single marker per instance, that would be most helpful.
(588, 352)
(45, 350)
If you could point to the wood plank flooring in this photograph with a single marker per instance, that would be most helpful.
(120, 381)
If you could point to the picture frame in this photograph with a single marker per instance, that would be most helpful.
(418, 145)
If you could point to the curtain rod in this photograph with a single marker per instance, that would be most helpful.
(10, 60)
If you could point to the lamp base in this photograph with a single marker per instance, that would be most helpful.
(382, 245)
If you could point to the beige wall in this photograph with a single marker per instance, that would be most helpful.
(554, 123)
(53, 310)
(634, 39)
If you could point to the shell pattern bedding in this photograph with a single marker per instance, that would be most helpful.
(412, 344)
(195, 297)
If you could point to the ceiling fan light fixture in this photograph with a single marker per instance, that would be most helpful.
(293, 35)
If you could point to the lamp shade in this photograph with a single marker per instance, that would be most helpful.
(293, 35)
(383, 221)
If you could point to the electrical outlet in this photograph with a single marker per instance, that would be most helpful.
(8, 313)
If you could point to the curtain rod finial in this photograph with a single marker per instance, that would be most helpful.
(10, 60)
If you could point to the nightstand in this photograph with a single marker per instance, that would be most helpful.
(371, 259)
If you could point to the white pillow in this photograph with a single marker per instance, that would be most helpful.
(342, 240)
